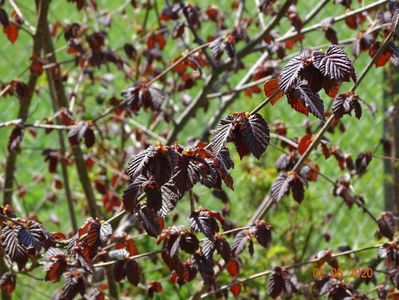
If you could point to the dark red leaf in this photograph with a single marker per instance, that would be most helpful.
(170, 197)
(189, 243)
(222, 134)
(257, 135)
(280, 187)
(297, 188)
(263, 233)
(208, 247)
(15, 139)
(250, 133)
(384, 57)
(130, 51)
(223, 248)
(335, 64)
(4, 18)
(326, 256)
(154, 161)
(153, 195)
(153, 287)
(331, 35)
(386, 225)
(139, 95)
(105, 232)
(52, 156)
(65, 117)
(331, 87)
(240, 241)
(178, 30)
(272, 88)
(55, 264)
(205, 268)
(276, 284)
(362, 161)
(235, 288)
(152, 224)
(11, 31)
(395, 20)
(89, 137)
(233, 267)
(304, 100)
(187, 172)
(355, 20)
(133, 272)
(77, 132)
(291, 72)
(119, 270)
(345, 104)
(217, 48)
(132, 193)
(203, 222)
(7, 282)
(304, 143)
(75, 283)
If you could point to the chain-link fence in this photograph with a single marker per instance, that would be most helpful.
(344, 227)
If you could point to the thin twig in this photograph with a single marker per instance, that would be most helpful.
(21, 16)
(72, 100)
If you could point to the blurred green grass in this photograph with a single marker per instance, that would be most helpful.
(252, 178)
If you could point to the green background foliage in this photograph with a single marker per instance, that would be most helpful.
(252, 178)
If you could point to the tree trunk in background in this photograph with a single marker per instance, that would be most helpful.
(391, 135)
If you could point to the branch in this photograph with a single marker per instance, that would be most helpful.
(38, 40)
(60, 100)
(333, 19)
(32, 29)
(159, 76)
(246, 50)
(111, 262)
(267, 201)
(11, 161)
(192, 108)
(273, 23)
(19, 123)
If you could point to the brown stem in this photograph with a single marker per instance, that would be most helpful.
(38, 39)
(65, 177)
(58, 94)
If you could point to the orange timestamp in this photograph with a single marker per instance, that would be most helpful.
(338, 273)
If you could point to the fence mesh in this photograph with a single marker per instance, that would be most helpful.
(347, 227)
